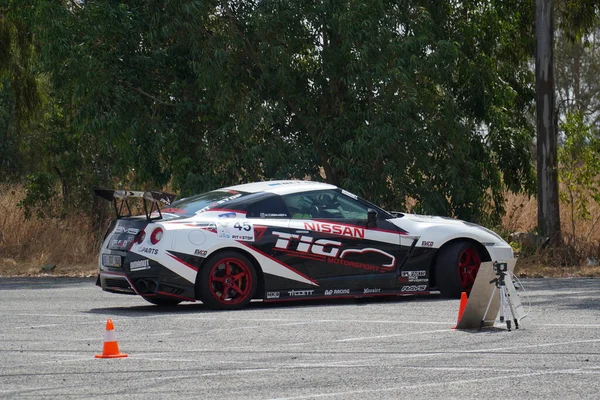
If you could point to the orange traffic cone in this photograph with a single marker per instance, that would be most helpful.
(461, 307)
(111, 346)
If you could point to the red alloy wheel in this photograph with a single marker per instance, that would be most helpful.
(468, 265)
(230, 281)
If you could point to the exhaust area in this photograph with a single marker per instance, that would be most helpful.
(146, 286)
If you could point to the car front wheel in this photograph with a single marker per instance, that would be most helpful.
(456, 268)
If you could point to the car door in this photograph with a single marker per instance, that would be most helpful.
(270, 219)
(341, 250)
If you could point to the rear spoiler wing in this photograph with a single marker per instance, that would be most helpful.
(119, 198)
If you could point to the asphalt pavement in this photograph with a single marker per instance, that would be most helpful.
(384, 348)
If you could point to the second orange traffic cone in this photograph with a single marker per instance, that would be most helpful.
(111, 346)
(462, 306)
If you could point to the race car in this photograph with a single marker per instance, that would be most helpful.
(284, 240)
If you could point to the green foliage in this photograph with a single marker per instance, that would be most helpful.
(396, 101)
(10, 162)
(579, 163)
(577, 67)
(40, 195)
(19, 95)
(577, 17)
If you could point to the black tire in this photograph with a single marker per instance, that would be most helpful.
(162, 302)
(227, 281)
(456, 267)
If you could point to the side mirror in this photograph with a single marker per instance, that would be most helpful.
(371, 218)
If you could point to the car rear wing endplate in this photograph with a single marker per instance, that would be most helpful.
(120, 198)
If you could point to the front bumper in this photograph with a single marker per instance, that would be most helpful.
(500, 251)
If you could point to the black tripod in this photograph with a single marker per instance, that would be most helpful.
(506, 300)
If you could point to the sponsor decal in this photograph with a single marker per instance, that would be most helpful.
(414, 276)
(341, 230)
(131, 231)
(217, 203)
(296, 293)
(201, 253)
(245, 238)
(148, 250)
(228, 215)
(119, 243)
(288, 183)
(414, 288)
(331, 250)
(272, 295)
(139, 265)
(273, 215)
(354, 264)
(352, 195)
(323, 247)
(337, 291)
(413, 273)
(425, 243)
(370, 290)
(235, 230)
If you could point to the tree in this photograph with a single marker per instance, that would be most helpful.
(578, 95)
(19, 91)
(579, 159)
(547, 142)
(577, 19)
(401, 102)
(393, 101)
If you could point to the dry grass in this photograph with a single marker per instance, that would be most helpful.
(27, 245)
(582, 241)
(72, 245)
(521, 216)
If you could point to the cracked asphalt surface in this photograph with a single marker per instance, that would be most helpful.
(384, 348)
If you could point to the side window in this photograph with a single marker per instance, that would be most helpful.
(328, 204)
(272, 207)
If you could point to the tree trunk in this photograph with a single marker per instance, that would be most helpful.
(547, 163)
(577, 53)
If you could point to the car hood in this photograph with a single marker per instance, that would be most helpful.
(430, 219)
(442, 229)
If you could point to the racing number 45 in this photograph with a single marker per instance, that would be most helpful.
(245, 226)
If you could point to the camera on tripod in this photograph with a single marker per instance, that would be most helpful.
(500, 268)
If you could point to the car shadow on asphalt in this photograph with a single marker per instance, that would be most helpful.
(188, 308)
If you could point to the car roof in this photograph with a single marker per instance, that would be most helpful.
(281, 187)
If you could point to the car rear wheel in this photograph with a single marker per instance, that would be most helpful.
(227, 281)
(163, 302)
(456, 268)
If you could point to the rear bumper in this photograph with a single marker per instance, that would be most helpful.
(157, 281)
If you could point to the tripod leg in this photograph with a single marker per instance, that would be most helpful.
(516, 307)
(487, 309)
(504, 308)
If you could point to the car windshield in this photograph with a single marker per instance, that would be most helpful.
(202, 202)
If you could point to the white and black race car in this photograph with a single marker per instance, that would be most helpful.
(284, 240)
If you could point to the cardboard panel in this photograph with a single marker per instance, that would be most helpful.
(480, 297)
